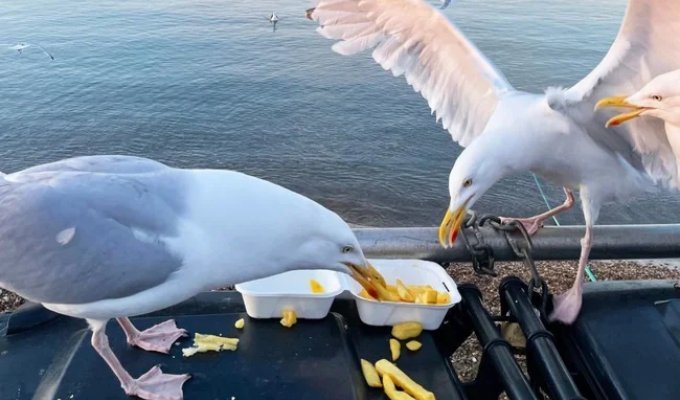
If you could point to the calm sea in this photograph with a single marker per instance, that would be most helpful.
(209, 84)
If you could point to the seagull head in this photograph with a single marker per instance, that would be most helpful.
(329, 243)
(659, 98)
(476, 170)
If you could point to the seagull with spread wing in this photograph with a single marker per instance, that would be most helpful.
(506, 131)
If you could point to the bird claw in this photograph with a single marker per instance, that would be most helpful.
(155, 385)
(531, 225)
(159, 337)
(566, 306)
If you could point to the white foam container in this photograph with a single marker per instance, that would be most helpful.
(268, 297)
(411, 272)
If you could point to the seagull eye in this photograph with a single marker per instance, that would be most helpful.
(347, 249)
(467, 182)
(656, 97)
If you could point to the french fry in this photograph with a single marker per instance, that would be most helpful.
(204, 343)
(395, 349)
(316, 287)
(413, 345)
(289, 318)
(392, 392)
(370, 374)
(443, 298)
(379, 290)
(384, 294)
(406, 330)
(430, 296)
(386, 368)
(240, 324)
(363, 293)
(405, 294)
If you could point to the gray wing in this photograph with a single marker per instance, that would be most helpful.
(113, 164)
(75, 237)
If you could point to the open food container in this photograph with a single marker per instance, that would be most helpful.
(411, 272)
(269, 297)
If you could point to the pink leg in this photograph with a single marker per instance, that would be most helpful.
(153, 385)
(533, 224)
(158, 338)
(568, 304)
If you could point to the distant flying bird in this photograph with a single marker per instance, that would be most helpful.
(20, 47)
(505, 131)
(109, 237)
(273, 18)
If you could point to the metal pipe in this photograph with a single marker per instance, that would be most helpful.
(550, 243)
(541, 350)
(497, 349)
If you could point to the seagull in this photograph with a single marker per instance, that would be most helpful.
(273, 18)
(20, 47)
(505, 131)
(109, 237)
(658, 100)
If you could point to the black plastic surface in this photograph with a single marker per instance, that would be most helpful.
(624, 343)
(313, 360)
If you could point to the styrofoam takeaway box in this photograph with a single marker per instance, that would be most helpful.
(268, 297)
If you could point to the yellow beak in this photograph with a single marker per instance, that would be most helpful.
(450, 226)
(619, 101)
(369, 278)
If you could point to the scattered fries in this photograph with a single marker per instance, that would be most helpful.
(316, 287)
(414, 345)
(386, 368)
(289, 318)
(240, 324)
(204, 343)
(406, 330)
(370, 374)
(395, 349)
(418, 294)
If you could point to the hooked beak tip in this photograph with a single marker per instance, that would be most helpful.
(368, 277)
(450, 226)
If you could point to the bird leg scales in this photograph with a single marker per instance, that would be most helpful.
(153, 385)
(159, 337)
(533, 224)
(567, 305)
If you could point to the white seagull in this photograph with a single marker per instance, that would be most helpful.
(20, 47)
(506, 131)
(659, 99)
(107, 237)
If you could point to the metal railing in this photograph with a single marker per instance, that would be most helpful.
(550, 243)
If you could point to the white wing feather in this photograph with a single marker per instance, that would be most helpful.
(647, 45)
(411, 38)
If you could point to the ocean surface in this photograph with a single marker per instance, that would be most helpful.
(210, 84)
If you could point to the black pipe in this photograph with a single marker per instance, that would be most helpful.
(495, 348)
(541, 351)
